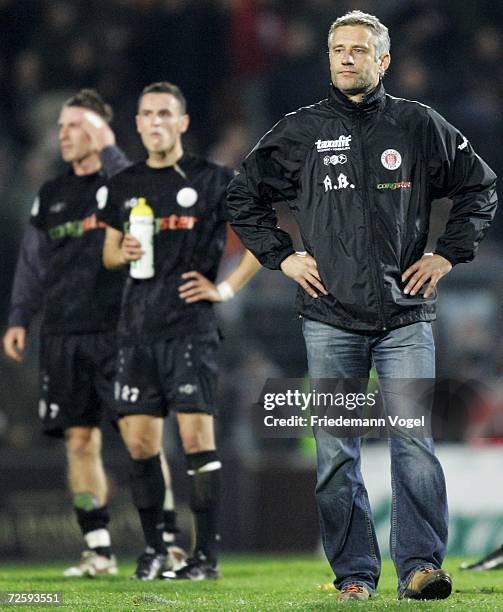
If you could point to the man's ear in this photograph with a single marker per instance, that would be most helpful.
(185, 122)
(385, 61)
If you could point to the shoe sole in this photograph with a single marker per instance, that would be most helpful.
(487, 566)
(189, 579)
(96, 574)
(437, 589)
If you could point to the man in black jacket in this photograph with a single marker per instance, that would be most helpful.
(359, 171)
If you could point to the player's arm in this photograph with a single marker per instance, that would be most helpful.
(198, 287)
(457, 172)
(268, 175)
(27, 291)
(102, 138)
(120, 249)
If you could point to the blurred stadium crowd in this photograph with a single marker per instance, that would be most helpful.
(242, 65)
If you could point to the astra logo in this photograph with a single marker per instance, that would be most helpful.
(341, 144)
(342, 182)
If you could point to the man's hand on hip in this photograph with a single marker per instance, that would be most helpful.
(198, 288)
(428, 268)
(303, 270)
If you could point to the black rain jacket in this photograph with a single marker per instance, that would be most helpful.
(360, 179)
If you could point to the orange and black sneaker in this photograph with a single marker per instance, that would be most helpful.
(353, 591)
(428, 583)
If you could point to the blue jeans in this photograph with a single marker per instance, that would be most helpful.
(419, 516)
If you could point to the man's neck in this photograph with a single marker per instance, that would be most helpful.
(165, 159)
(87, 165)
(358, 97)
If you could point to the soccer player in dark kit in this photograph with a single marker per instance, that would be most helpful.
(60, 271)
(167, 332)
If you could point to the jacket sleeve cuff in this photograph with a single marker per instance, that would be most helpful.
(280, 257)
(18, 319)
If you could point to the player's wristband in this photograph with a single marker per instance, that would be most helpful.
(225, 291)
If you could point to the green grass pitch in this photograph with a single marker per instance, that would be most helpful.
(260, 583)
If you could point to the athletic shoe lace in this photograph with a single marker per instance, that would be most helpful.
(353, 588)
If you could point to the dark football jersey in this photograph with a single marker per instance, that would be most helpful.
(188, 201)
(80, 295)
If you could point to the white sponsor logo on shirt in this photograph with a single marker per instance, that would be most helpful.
(341, 144)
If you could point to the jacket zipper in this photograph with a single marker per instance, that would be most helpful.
(370, 224)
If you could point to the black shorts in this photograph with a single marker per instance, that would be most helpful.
(76, 380)
(178, 374)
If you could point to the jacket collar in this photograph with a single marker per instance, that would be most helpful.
(370, 103)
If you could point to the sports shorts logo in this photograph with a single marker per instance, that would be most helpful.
(187, 389)
(57, 207)
(341, 144)
(391, 159)
(335, 159)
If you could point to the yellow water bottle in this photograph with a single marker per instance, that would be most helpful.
(141, 226)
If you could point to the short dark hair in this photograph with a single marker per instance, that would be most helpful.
(91, 99)
(165, 87)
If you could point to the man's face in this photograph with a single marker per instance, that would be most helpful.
(354, 67)
(73, 139)
(160, 122)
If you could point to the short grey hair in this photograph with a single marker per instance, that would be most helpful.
(353, 18)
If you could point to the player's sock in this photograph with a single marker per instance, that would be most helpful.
(148, 487)
(93, 522)
(169, 515)
(170, 528)
(204, 471)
